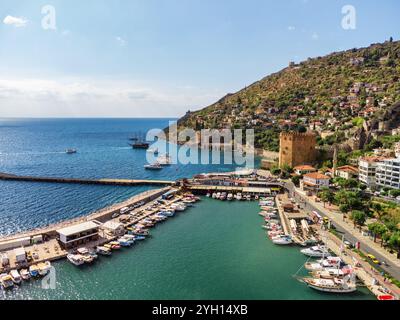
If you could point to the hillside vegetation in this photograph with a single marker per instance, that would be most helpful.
(332, 95)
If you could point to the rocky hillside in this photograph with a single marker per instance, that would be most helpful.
(335, 95)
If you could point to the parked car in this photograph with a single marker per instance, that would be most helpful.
(373, 259)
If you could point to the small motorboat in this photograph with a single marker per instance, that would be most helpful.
(115, 245)
(76, 259)
(239, 196)
(44, 268)
(153, 166)
(208, 195)
(25, 275)
(104, 251)
(71, 151)
(15, 276)
(6, 281)
(34, 270)
(230, 197)
(124, 242)
(282, 240)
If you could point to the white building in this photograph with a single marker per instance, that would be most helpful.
(315, 181)
(367, 167)
(388, 173)
(78, 234)
(113, 228)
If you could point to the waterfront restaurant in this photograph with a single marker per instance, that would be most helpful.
(78, 234)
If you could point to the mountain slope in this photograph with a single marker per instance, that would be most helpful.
(332, 95)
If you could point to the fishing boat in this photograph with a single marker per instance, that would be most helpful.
(316, 251)
(15, 276)
(34, 270)
(104, 251)
(208, 195)
(223, 196)
(167, 213)
(44, 268)
(71, 151)
(6, 281)
(214, 195)
(248, 197)
(153, 166)
(331, 285)
(282, 240)
(87, 255)
(76, 259)
(229, 197)
(239, 196)
(25, 275)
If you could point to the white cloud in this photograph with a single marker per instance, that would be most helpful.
(121, 41)
(315, 36)
(15, 21)
(291, 28)
(98, 98)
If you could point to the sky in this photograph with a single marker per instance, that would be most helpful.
(160, 58)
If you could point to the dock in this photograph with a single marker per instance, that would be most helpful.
(50, 249)
(203, 189)
(106, 181)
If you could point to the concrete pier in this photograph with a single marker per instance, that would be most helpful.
(120, 182)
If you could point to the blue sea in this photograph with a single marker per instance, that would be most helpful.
(37, 147)
(215, 250)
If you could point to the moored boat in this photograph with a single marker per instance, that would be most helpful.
(44, 268)
(6, 281)
(316, 251)
(15, 276)
(282, 240)
(75, 259)
(104, 251)
(34, 270)
(25, 275)
(331, 285)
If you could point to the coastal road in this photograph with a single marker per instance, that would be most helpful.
(308, 206)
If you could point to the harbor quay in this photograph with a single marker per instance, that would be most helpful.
(43, 244)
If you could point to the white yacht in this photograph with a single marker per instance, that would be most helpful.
(282, 240)
(239, 196)
(316, 252)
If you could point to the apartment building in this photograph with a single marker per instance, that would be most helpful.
(388, 173)
(367, 167)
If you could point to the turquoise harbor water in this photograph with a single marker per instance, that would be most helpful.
(216, 250)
